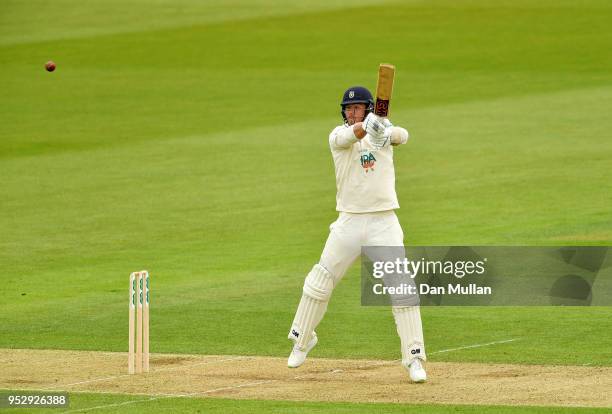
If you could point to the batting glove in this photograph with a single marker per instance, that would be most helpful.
(383, 139)
(374, 126)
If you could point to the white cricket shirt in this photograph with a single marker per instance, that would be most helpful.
(365, 175)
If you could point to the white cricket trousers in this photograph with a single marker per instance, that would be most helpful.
(352, 231)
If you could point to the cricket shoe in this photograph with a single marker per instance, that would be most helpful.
(298, 356)
(416, 370)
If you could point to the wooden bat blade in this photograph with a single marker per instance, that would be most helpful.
(384, 89)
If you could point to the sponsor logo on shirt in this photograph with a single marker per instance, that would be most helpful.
(367, 161)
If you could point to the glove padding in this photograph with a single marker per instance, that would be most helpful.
(374, 126)
(383, 139)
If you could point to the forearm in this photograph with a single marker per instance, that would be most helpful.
(359, 131)
(348, 136)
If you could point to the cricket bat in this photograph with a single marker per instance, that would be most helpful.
(384, 89)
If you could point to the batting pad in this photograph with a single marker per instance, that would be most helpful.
(315, 297)
(410, 331)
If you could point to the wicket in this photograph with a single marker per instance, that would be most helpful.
(138, 360)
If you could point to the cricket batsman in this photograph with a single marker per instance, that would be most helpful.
(362, 149)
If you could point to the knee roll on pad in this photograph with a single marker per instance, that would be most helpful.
(319, 284)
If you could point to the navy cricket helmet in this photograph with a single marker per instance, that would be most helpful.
(357, 94)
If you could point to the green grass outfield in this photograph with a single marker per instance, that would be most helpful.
(190, 139)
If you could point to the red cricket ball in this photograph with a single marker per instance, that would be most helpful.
(50, 66)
